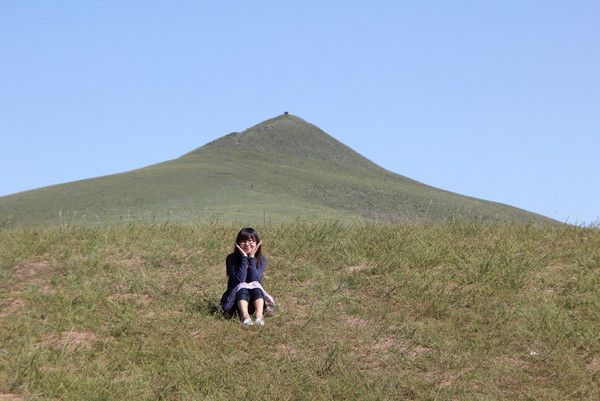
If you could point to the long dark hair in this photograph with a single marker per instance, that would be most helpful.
(245, 234)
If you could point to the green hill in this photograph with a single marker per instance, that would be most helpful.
(281, 169)
(448, 311)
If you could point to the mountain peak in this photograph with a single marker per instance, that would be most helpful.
(287, 137)
(283, 123)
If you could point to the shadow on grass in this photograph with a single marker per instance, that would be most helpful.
(207, 306)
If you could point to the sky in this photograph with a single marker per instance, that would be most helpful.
(496, 100)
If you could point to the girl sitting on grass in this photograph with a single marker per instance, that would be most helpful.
(245, 268)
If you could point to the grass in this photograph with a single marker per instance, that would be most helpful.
(446, 311)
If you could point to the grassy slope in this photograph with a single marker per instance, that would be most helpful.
(433, 311)
(279, 170)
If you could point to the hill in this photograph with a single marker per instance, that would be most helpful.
(449, 311)
(279, 170)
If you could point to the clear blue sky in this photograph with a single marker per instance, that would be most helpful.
(497, 100)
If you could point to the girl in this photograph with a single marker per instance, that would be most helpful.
(245, 268)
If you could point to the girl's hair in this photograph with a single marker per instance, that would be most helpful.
(245, 234)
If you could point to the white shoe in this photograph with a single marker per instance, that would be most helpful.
(247, 322)
(259, 322)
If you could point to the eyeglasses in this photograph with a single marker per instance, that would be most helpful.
(247, 242)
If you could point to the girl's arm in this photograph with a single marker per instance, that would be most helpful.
(255, 273)
(237, 271)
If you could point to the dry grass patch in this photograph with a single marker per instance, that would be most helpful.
(363, 267)
(198, 335)
(137, 299)
(70, 340)
(283, 351)
(386, 343)
(405, 347)
(510, 387)
(446, 378)
(593, 365)
(513, 362)
(10, 397)
(548, 281)
(36, 272)
(130, 262)
(355, 321)
(28, 270)
(12, 306)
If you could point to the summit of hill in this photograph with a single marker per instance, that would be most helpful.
(281, 169)
(288, 137)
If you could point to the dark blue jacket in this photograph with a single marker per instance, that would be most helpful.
(242, 269)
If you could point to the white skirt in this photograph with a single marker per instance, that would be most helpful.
(269, 301)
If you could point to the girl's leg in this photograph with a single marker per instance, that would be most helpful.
(259, 305)
(256, 297)
(242, 297)
(243, 309)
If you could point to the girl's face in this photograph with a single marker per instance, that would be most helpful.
(247, 245)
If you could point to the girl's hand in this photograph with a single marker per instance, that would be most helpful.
(241, 250)
(254, 249)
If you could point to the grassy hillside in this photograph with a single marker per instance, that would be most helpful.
(457, 310)
(279, 170)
